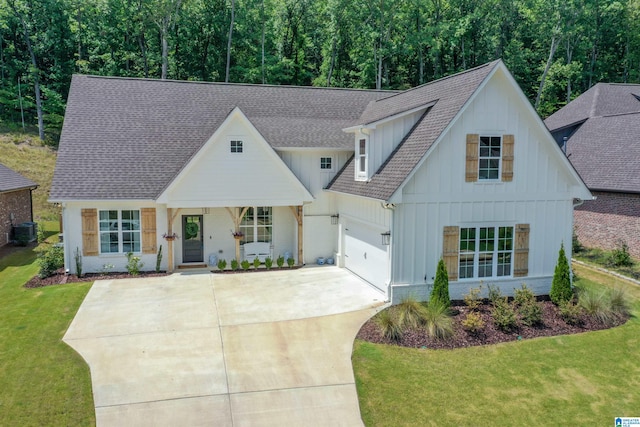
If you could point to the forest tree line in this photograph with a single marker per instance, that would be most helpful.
(556, 49)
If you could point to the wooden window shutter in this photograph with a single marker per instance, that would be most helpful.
(507, 158)
(471, 168)
(90, 236)
(149, 236)
(521, 251)
(450, 249)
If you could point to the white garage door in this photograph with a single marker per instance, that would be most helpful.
(365, 255)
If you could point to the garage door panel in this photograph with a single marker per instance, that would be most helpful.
(365, 255)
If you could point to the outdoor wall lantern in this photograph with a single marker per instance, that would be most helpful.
(386, 238)
(334, 219)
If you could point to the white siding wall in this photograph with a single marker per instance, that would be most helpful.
(438, 196)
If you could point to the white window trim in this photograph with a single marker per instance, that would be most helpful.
(241, 145)
(333, 163)
(120, 231)
(362, 175)
(490, 135)
(254, 227)
(476, 260)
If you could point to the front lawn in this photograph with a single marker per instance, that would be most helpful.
(44, 382)
(584, 379)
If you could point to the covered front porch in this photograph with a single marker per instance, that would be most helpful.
(197, 237)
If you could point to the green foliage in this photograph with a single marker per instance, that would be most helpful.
(504, 315)
(134, 265)
(77, 255)
(597, 305)
(530, 313)
(159, 259)
(410, 313)
(389, 325)
(472, 299)
(438, 322)
(106, 269)
(620, 257)
(222, 264)
(280, 261)
(440, 291)
(561, 284)
(291, 262)
(495, 294)
(619, 300)
(245, 265)
(575, 242)
(256, 262)
(473, 323)
(235, 265)
(523, 296)
(50, 260)
(570, 312)
(41, 234)
(268, 263)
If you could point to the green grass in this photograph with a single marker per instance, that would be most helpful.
(601, 258)
(26, 154)
(44, 382)
(584, 379)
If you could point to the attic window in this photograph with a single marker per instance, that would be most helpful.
(236, 146)
(326, 163)
(361, 158)
(489, 158)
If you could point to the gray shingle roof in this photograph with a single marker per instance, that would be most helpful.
(451, 94)
(11, 180)
(126, 138)
(605, 148)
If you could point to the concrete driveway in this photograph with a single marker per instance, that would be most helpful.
(249, 349)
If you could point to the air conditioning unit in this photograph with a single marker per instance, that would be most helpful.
(25, 232)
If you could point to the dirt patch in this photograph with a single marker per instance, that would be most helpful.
(552, 325)
(59, 278)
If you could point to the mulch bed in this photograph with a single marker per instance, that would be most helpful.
(59, 278)
(553, 325)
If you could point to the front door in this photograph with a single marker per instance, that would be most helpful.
(192, 243)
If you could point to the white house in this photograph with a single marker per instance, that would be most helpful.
(385, 182)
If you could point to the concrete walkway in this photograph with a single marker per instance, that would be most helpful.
(248, 349)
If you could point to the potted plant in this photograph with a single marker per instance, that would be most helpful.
(170, 237)
(237, 234)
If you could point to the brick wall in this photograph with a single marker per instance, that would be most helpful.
(17, 203)
(612, 216)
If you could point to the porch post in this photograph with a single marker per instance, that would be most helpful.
(169, 241)
(297, 213)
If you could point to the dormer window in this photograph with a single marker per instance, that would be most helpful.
(236, 146)
(362, 150)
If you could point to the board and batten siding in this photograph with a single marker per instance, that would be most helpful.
(540, 194)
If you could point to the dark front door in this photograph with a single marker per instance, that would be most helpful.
(192, 244)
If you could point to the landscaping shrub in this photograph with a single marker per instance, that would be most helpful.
(440, 291)
(504, 316)
(268, 263)
(235, 265)
(438, 323)
(570, 312)
(472, 299)
(495, 294)
(575, 242)
(530, 313)
(50, 260)
(280, 261)
(256, 262)
(410, 313)
(41, 234)
(620, 257)
(290, 262)
(596, 304)
(523, 296)
(389, 326)
(222, 264)
(473, 323)
(618, 301)
(245, 265)
(561, 285)
(158, 259)
(77, 256)
(133, 264)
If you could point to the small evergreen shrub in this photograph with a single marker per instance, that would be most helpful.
(133, 264)
(50, 260)
(235, 265)
(290, 262)
(77, 256)
(530, 313)
(575, 242)
(268, 263)
(410, 313)
(495, 294)
(523, 296)
(389, 326)
(440, 291)
(256, 262)
(222, 264)
(280, 261)
(245, 265)
(438, 323)
(472, 299)
(561, 285)
(158, 259)
(41, 234)
(620, 257)
(473, 323)
(570, 312)
(504, 316)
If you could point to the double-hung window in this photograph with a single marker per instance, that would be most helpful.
(489, 157)
(119, 231)
(361, 158)
(485, 252)
(257, 225)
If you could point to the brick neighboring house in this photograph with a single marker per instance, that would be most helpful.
(16, 205)
(600, 131)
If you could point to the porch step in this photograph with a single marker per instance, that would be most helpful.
(187, 266)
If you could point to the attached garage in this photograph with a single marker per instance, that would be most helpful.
(364, 253)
